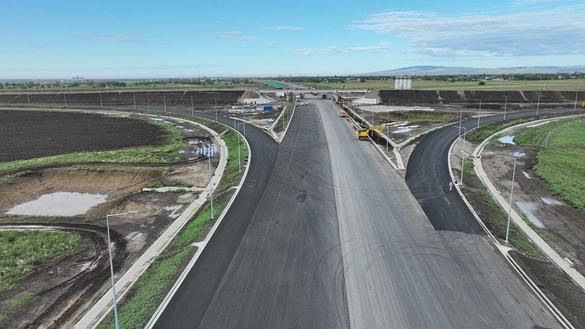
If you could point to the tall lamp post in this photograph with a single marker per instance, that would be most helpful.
(462, 153)
(505, 107)
(114, 301)
(479, 114)
(511, 198)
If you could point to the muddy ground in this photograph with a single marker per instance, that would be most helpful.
(567, 296)
(32, 134)
(562, 225)
(62, 290)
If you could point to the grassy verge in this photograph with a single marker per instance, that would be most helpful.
(169, 152)
(481, 134)
(494, 217)
(22, 251)
(561, 158)
(143, 299)
(284, 119)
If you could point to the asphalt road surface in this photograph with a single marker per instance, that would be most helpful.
(428, 177)
(329, 236)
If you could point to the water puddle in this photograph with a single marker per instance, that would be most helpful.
(551, 201)
(59, 204)
(507, 140)
(519, 155)
(402, 130)
(528, 208)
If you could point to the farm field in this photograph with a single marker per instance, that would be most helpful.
(560, 145)
(59, 133)
(130, 86)
(572, 84)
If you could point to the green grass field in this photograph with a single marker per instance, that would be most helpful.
(168, 152)
(561, 158)
(153, 285)
(22, 251)
(573, 84)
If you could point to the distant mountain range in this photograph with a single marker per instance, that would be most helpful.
(446, 70)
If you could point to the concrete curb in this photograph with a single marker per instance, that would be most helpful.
(552, 254)
(201, 246)
(288, 125)
(504, 250)
(100, 310)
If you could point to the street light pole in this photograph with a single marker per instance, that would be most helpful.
(462, 156)
(505, 107)
(538, 103)
(460, 119)
(479, 114)
(210, 183)
(510, 203)
(165, 102)
(114, 301)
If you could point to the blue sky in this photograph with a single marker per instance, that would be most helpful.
(135, 39)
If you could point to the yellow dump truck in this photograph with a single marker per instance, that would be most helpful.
(363, 134)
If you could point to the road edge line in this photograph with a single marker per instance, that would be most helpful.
(145, 264)
(504, 251)
(161, 308)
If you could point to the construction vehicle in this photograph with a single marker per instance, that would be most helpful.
(363, 134)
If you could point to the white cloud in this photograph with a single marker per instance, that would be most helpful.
(542, 32)
(382, 47)
(109, 38)
(236, 35)
(359, 49)
(287, 28)
(306, 51)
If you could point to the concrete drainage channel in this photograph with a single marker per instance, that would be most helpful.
(504, 250)
(103, 307)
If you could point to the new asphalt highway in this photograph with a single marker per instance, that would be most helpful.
(325, 234)
(428, 177)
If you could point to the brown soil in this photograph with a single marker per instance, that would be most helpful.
(64, 284)
(557, 286)
(117, 183)
(32, 134)
(564, 226)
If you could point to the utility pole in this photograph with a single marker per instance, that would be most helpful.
(505, 107)
(65, 99)
(134, 99)
(101, 102)
(538, 103)
(28, 99)
(576, 96)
